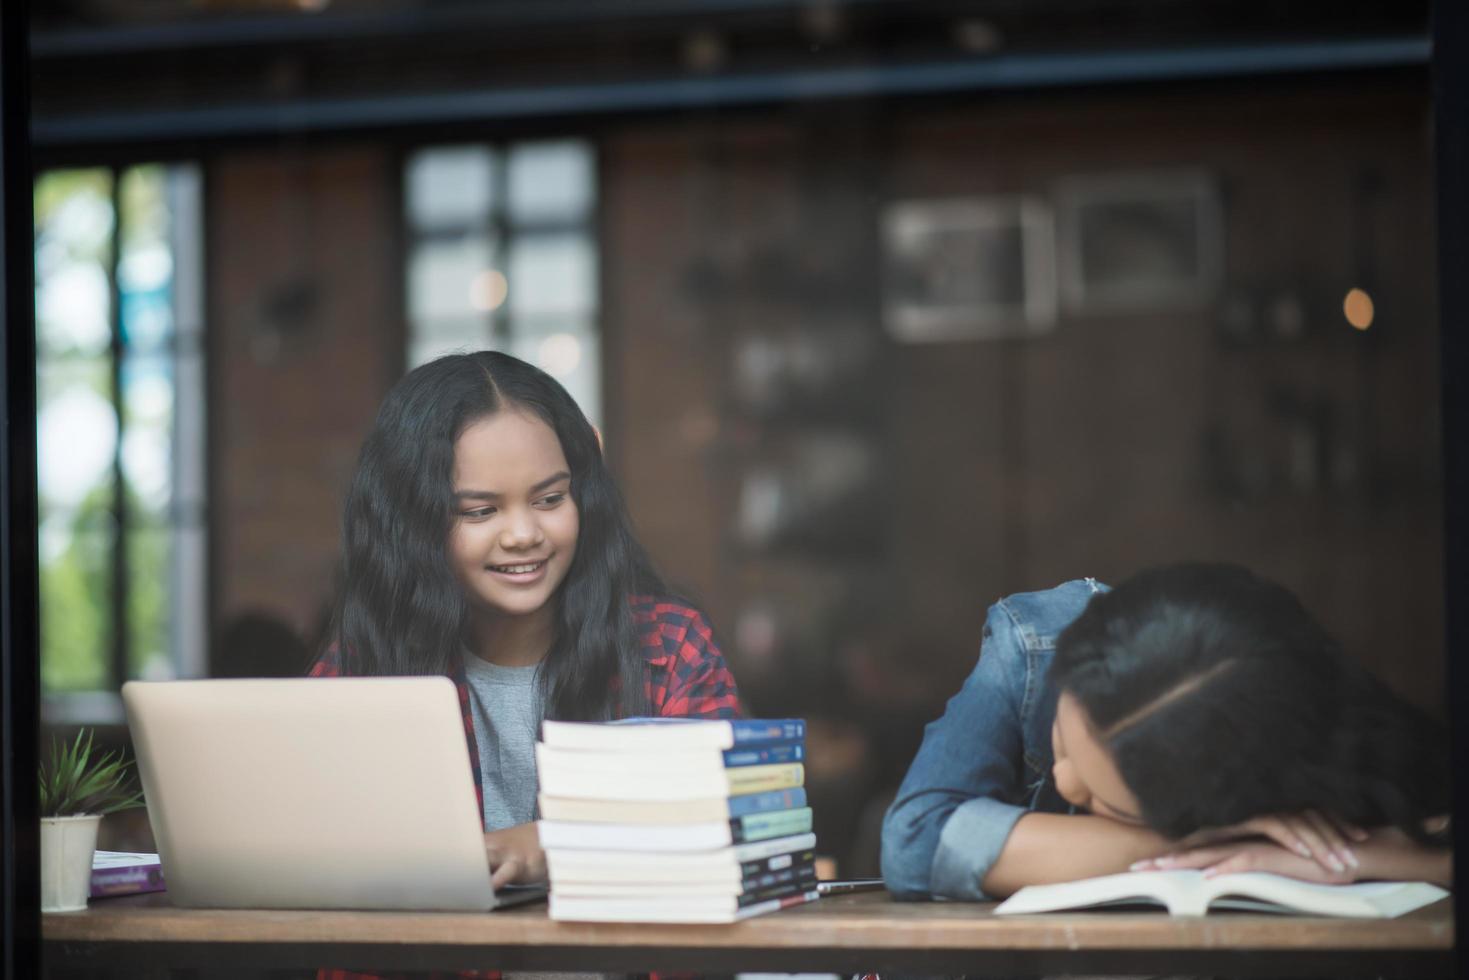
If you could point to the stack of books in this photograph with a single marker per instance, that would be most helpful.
(125, 873)
(675, 820)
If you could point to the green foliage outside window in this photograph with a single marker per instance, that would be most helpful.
(75, 593)
(74, 221)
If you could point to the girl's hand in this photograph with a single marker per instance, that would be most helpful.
(515, 855)
(1251, 855)
(1386, 854)
(1309, 835)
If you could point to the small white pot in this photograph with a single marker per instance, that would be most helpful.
(67, 846)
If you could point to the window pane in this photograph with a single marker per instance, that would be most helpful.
(450, 187)
(148, 590)
(76, 439)
(76, 432)
(148, 401)
(550, 182)
(157, 270)
(432, 338)
(185, 191)
(568, 351)
(73, 229)
(76, 586)
(448, 279)
(553, 274)
(145, 270)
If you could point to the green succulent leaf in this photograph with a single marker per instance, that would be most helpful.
(75, 779)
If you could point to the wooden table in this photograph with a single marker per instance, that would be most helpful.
(841, 934)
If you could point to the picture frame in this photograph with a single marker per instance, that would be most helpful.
(1139, 242)
(969, 268)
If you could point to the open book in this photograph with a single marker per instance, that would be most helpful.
(1190, 893)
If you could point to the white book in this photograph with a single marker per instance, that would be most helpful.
(1190, 893)
(666, 765)
(704, 810)
(724, 864)
(648, 891)
(612, 836)
(588, 784)
(804, 878)
(651, 813)
(122, 859)
(673, 837)
(681, 909)
(652, 784)
(668, 734)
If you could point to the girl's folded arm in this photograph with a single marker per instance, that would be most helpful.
(958, 801)
(1391, 855)
(1044, 848)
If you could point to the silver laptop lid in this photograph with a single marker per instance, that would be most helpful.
(311, 793)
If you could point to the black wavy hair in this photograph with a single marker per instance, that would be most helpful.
(400, 609)
(1222, 699)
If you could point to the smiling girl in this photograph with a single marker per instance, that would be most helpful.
(1194, 717)
(484, 539)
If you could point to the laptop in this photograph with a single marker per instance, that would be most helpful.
(313, 793)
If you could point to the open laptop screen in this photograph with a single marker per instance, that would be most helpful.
(311, 793)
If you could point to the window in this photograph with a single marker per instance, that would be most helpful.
(120, 427)
(502, 253)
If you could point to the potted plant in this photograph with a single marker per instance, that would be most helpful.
(78, 788)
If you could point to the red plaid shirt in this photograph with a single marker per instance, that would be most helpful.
(685, 677)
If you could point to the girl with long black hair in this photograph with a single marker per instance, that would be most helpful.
(483, 538)
(1196, 716)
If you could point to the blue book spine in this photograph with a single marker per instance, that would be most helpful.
(760, 755)
(776, 799)
(748, 731)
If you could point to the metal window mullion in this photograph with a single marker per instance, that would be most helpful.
(188, 543)
(591, 226)
(119, 583)
(501, 327)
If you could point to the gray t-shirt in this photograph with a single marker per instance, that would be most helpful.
(507, 715)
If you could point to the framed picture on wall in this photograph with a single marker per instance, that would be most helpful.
(968, 268)
(1139, 242)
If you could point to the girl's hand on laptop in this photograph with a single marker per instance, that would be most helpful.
(515, 855)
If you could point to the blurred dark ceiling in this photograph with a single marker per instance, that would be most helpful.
(125, 72)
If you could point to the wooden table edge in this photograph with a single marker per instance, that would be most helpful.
(856, 921)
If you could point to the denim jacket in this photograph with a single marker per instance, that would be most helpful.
(987, 761)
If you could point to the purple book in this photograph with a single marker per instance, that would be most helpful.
(125, 873)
